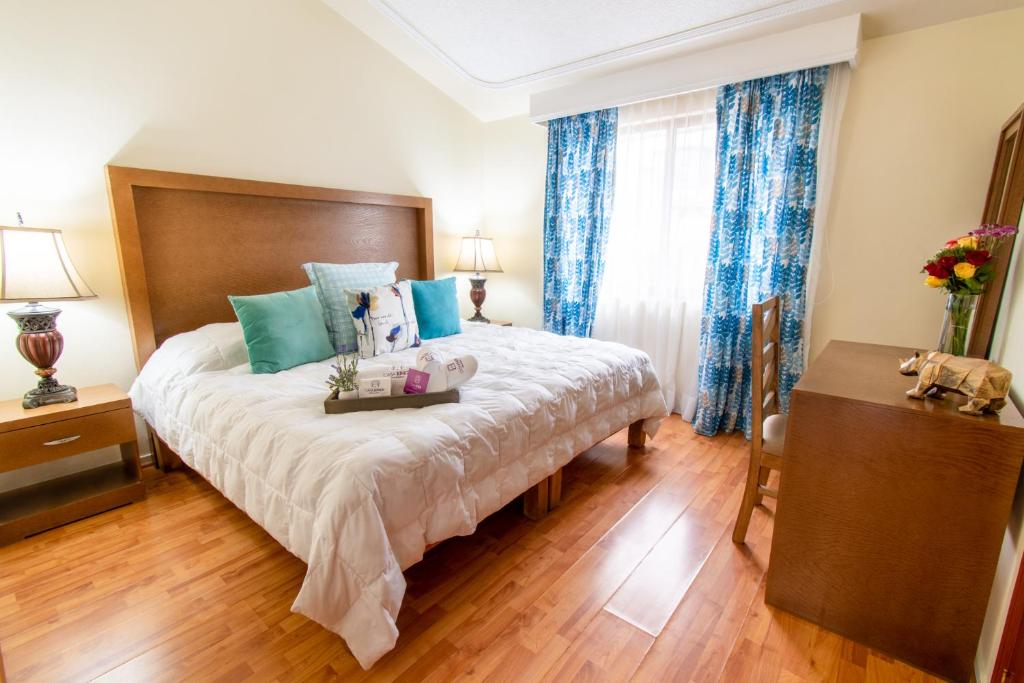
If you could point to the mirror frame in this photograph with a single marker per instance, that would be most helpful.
(1003, 205)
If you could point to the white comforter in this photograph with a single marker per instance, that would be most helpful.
(358, 497)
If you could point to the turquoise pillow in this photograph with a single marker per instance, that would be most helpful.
(283, 329)
(437, 307)
(331, 280)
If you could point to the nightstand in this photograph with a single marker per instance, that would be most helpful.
(102, 416)
(499, 323)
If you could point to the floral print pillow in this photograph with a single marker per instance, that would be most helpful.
(384, 318)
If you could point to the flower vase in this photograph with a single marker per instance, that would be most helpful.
(957, 323)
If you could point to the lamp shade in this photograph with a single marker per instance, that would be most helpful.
(35, 266)
(477, 255)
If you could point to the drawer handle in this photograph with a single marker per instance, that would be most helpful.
(66, 439)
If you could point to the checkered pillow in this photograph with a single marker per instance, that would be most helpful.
(331, 280)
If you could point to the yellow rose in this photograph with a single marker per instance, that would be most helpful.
(933, 281)
(964, 270)
(969, 242)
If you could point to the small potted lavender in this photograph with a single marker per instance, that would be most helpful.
(343, 382)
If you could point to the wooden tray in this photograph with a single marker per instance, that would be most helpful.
(354, 405)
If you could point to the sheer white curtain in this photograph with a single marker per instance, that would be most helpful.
(833, 102)
(652, 292)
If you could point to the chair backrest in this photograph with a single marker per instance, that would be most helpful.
(764, 363)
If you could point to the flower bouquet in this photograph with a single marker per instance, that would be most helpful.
(962, 268)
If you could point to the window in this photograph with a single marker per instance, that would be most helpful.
(652, 291)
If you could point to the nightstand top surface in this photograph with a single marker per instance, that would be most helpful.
(499, 323)
(91, 400)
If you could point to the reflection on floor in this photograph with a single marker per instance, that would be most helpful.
(634, 577)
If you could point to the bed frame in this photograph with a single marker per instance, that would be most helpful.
(185, 242)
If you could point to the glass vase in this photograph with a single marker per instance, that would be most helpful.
(957, 323)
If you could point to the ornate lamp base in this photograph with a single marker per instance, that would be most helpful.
(41, 345)
(477, 295)
(49, 392)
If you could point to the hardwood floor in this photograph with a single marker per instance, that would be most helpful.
(635, 577)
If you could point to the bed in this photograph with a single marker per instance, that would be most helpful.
(358, 497)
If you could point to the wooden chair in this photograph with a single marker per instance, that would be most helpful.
(769, 427)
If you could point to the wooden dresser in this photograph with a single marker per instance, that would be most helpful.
(891, 510)
(102, 416)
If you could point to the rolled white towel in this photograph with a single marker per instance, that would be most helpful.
(445, 373)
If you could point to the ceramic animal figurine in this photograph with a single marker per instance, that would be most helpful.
(984, 384)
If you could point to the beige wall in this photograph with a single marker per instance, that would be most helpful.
(269, 89)
(285, 90)
(917, 142)
(1008, 351)
(515, 160)
(513, 157)
(916, 148)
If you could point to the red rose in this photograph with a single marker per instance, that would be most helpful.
(977, 258)
(936, 270)
(947, 262)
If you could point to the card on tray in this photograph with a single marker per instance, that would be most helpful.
(395, 373)
(374, 387)
(416, 381)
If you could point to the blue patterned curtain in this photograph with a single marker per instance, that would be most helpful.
(760, 237)
(577, 211)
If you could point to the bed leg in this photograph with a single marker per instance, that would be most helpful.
(165, 459)
(637, 436)
(555, 489)
(535, 501)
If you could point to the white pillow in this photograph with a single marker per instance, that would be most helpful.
(384, 318)
(226, 346)
(213, 347)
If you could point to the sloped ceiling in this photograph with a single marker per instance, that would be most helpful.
(490, 55)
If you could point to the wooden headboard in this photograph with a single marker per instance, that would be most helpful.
(185, 242)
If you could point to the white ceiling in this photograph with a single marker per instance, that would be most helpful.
(490, 55)
(497, 43)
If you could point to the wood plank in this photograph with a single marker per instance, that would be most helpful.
(43, 506)
(555, 490)
(174, 277)
(649, 597)
(64, 438)
(91, 400)
(183, 586)
(866, 373)
(637, 436)
(608, 649)
(355, 405)
(696, 641)
(881, 507)
(535, 501)
(775, 645)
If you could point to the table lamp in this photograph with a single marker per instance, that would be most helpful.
(35, 266)
(477, 256)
